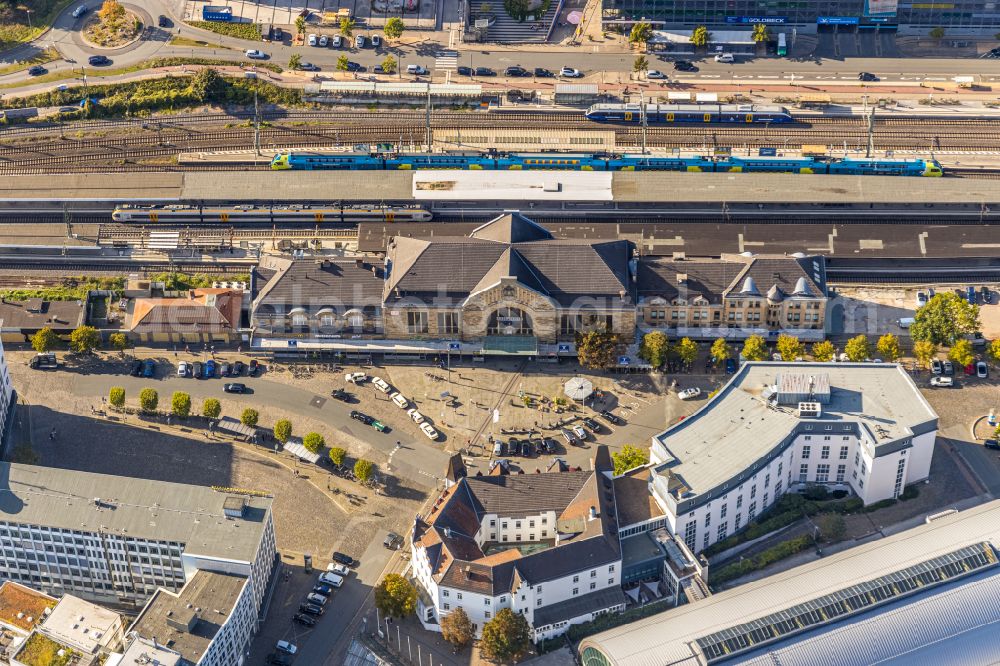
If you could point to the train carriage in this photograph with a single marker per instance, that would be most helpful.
(647, 163)
(466, 161)
(326, 161)
(876, 167)
(689, 113)
(772, 165)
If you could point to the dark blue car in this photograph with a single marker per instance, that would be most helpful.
(209, 369)
(730, 366)
(148, 368)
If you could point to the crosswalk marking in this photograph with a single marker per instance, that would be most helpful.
(446, 60)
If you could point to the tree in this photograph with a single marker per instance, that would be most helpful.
(961, 353)
(858, 349)
(924, 351)
(395, 596)
(640, 65)
(44, 340)
(84, 339)
(993, 351)
(687, 349)
(211, 408)
(394, 28)
(389, 65)
(180, 404)
(888, 347)
(700, 36)
(283, 430)
(506, 637)
(300, 25)
(456, 628)
(936, 33)
(790, 347)
(628, 458)
(342, 63)
(760, 33)
(347, 27)
(111, 12)
(641, 33)
(313, 442)
(116, 396)
(148, 399)
(720, 350)
(823, 351)
(518, 10)
(337, 455)
(119, 341)
(653, 348)
(945, 318)
(363, 469)
(294, 61)
(755, 348)
(597, 349)
(249, 417)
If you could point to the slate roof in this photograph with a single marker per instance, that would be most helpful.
(511, 228)
(214, 310)
(575, 607)
(523, 494)
(314, 285)
(783, 272)
(33, 314)
(633, 500)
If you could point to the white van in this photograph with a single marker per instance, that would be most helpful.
(312, 39)
(905, 322)
(725, 57)
(416, 69)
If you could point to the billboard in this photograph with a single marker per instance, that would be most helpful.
(885, 8)
(768, 20)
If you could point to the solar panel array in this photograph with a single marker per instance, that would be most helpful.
(839, 604)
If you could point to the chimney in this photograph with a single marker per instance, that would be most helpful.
(468, 572)
(682, 278)
(593, 513)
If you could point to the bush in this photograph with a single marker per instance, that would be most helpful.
(180, 404)
(211, 408)
(884, 504)
(249, 417)
(763, 559)
(839, 494)
(283, 430)
(116, 396)
(910, 492)
(816, 493)
(249, 31)
(148, 399)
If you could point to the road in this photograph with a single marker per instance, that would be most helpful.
(423, 48)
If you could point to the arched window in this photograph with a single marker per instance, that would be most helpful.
(509, 321)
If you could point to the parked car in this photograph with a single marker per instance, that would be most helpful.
(498, 447)
(517, 71)
(285, 646)
(513, 447)
(80, 11)
(526, 449)
(307, 67)
(277, 34)
(210, 368)
(921, 299)
(234, 388)
(302, 618)
(611, 418)
(36, 70)
(867, 76)
(392, 541)
(655, 74)
(570, 73)
(417, 417)
(429, 430)
(942, 382)
(361, 416)
(355, 377)
(341, 394)
(936, 366)
(312, 39)
(684, 66)
(970, 295)
(253, 368)
(311, 609)
(947, 368)
(550, 444)
(148, 368)
(98, 61)
(339, 569)
(354, 67)
(992, 444)
(593, 425)
(539, 446)
(568, 436)
(224, 369)
(689, 394)
(381, 385)
(730, 366)
(543, 73)
(400, 400)
(318, 599)
(336, 42)
(183, 369)
(331, 579)
(255, 54)
(197, 369)
(579, 432)
(982, 370)
(485, 71)
(378, 425)
(237, 369)
(323, 588)
(970, 369)
(324, 41)
(986, 294)
(464, 71)
(376, 41)
(725, 58)
(359, 42)
(44, 361)
(346, 560)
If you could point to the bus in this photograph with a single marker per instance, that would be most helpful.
(782, 48)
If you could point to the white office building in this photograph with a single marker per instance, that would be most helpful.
(775, 427)
(7, 400)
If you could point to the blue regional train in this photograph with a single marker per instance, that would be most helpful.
(661, 114)
(591, 162)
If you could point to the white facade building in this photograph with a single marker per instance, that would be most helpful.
(544, 545)
(778, 426)
(7, 400)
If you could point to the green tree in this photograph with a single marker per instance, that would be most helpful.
(993, 351)
(119, 341)
(389, 65)
(961, 352)
(300, 25)
(249, 417)
(283, 430)
(628, 458)
(180, 404)
(823, 351)
(211, 408)
(342, 63)
(760, 33)
(640, 34)
(755, 348)
(116, 396)
(394, 28)
(363, 469)
(148, 399)
(456, 628)
(653, 348)
(347, 27)
(395, 596)
(506, 637)
(84, 339)
(858, 349)
(640, 64)
(597, 349)
(44, 340)
(936, 33)
(337, 455)
(946, 317)
(294, 61)
(519, 10)
(687, 349)
(888, 347)
(700, 36)
(790, 347)
(721, 350)
(313, 442)
(924, 351)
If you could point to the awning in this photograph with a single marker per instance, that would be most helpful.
(294, 446)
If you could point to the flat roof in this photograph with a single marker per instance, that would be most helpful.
(450, 185)
(670, 637)
(144, 652)
(18, 599)
(187, 621)
(78, 622)
(141, 508)
(737, 427)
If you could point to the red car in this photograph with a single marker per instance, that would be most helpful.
(970, 369)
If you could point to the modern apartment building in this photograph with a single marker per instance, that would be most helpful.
(8, 401)
(774, 427)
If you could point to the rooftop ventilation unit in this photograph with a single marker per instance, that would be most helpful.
(809, 410)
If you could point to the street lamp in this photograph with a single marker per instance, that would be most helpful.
(28, 12)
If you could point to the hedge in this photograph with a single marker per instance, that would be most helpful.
(762, 559)
(239, 30)
(580, 631)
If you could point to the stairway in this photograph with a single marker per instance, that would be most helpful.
(508, 31)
